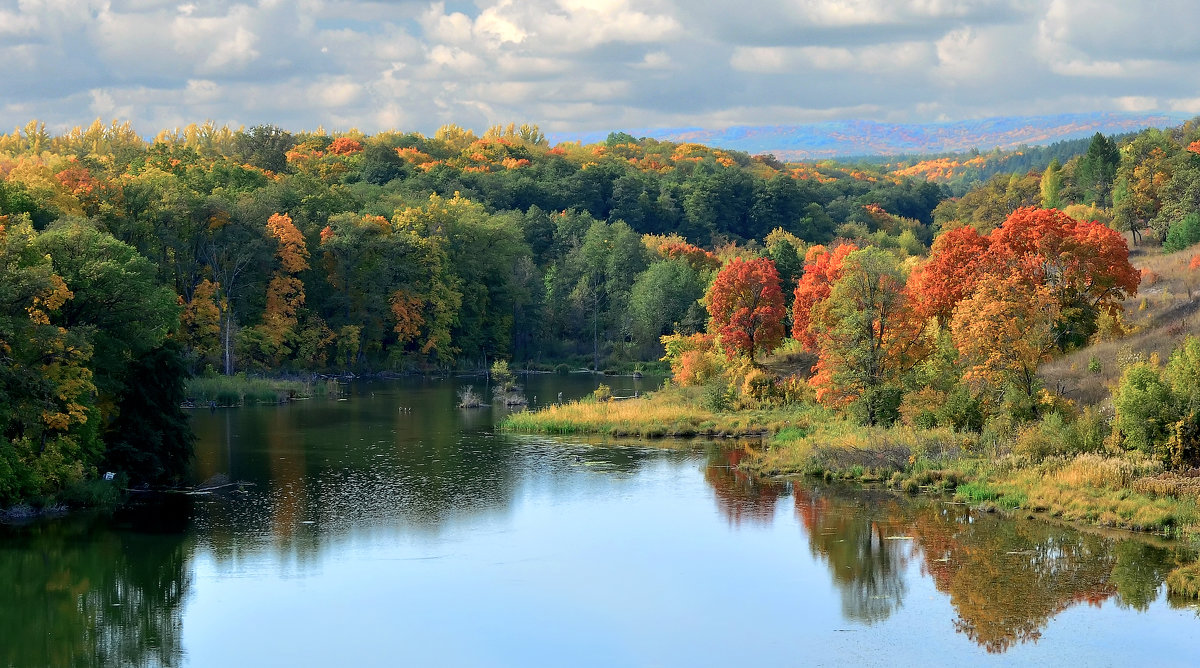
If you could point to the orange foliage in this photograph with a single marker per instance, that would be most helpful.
(285, 295)
(746, 306)
(406, 309)
(697, 257)
(327, 235)
(1194, 147)
(950, 274)
(1048, 247)
(1005, 330)
(292, 254)
(1195, 263)
(201, 318)
(414, 156)
(821, 270)
(692, 358)
(345, 146)
(1149, 277)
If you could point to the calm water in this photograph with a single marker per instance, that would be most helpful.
(393, 529)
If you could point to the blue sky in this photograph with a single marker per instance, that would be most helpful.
(588, 65)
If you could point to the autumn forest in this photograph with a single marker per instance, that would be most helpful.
(130, 265)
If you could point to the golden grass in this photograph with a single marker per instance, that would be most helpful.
(1101, 471)
(633, 416)
(672, 411)
(1172, 311)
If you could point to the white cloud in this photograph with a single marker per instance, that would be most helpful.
(588, 64)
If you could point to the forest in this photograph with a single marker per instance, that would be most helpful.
(130, 264)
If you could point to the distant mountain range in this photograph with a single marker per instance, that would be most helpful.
(860, 138)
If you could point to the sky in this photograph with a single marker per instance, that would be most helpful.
(588, 65)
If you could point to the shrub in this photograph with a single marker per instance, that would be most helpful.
(603, 393)
(1183, 234)
(716, 396)
(1183, 442)
(1145, 408)
(562, 369)
(961, 411)
(1094, 365)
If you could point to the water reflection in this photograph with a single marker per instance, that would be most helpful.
(360, 503)
(739, 497)
(77, 596)
(865, 550)
(1006, 578)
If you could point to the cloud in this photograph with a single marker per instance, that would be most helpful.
(587, 64)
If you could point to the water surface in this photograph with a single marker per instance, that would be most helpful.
(395, 529)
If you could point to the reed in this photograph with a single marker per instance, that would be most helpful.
(239, 390)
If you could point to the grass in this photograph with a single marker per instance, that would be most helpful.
(1165, 310)
(239, 390)
(670, 412)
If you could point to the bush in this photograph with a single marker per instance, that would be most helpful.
(1183, 443)
(716, 396)
(961, 411)
(1145, 408)
(603, 393)
(562, 369)
(1183, 234)
(1035, 442)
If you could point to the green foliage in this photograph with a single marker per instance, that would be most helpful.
(665, 299)
(150, 440)
(1097, 170)
(1145, 408)
(1183, 234)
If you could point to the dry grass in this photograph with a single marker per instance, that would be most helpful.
(1161, 316)
(673, 411)
(821, 442)
(1178, 484)
(1100, 471)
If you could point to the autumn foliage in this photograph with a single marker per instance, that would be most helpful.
(746, 305)
(822, 268)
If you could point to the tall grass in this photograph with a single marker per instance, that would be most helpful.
(673, 411)
(240, 390)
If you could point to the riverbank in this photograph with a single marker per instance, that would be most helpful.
(1124, 490)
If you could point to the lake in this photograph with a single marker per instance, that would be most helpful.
(391, 528)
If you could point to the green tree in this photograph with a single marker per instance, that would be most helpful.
(117, 304)
(1097, 170)
(1145, 408)
(665, 299)
(867, 338)
(1052, 185)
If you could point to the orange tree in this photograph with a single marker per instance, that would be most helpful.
(821, 269)
(1003, 331)
(1085, 265)
(746, 307)
(868, 337)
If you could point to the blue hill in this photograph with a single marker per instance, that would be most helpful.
(858, 137)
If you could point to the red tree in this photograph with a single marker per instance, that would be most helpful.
(746, 306)
(950, 274)
(821, 270)
(1079, 261)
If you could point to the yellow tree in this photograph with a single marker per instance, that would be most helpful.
(1004, 330)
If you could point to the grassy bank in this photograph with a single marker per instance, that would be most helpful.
(1123, 490)
(240, 390)
(670, 412)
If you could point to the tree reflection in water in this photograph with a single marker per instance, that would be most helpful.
(865, 559)
(1006, 578)
(75, 595)
(740, 498)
